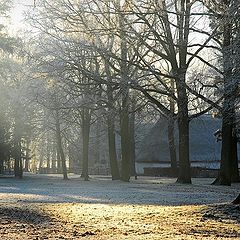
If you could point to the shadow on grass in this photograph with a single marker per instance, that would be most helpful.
(215, 233)
(222, 212)
(146, 190)
(24, 215)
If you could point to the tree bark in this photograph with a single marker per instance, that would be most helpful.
(27, 159)
(124, 118)
(172, 146)
(112, 150)
(18, 168)
(40, 166)
(97, 142)
(132, 141)
(71, 158)
(111, 127)
(236, 200)
(234, 167)
(184, 174)
(224, 177)
(171, 136)
(1, 166)
(60, 147)
(54, 157)
(48, 153)
(59, 164)
(86, 118)
(126, 166)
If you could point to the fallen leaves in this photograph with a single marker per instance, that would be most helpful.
(102, 222)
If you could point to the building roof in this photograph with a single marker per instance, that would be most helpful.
(203, 145)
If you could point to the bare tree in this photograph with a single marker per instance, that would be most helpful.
(225, 15)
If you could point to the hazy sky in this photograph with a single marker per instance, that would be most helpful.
(17, 13)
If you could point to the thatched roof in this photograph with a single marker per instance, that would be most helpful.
(203, 144)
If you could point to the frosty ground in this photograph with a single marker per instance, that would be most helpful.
(46, 207)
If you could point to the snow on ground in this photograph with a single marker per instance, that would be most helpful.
(46, 207)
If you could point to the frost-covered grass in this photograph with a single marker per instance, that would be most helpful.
(46, 207)
(100, 189)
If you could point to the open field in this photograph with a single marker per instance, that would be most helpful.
(46, 207)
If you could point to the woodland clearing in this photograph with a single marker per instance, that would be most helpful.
(46, 207)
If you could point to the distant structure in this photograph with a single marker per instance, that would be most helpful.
(205, 147)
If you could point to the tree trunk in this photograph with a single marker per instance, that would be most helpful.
(111, 127)
(60, 147)
(124, 118)
(1, 166)
(224, 177)
(184, 174)
(54, 157)
(86, 118)
(59, 163)
(18, 168)
(112, 150)
(234, 167)
(26, 166)
(126, 163)
(97, 142)
(41, 158)
(171, 136)
(71, 158)
(48, 153)
(236, 200)
(172, 146)
(132, 141)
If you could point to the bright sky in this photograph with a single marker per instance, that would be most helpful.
(17, 14)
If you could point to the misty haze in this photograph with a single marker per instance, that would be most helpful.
(119, 119)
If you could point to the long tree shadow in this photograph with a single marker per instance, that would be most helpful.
(41, 189)
(222, 212)
(24, 215)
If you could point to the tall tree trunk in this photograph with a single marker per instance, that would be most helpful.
(97, 142)
(179, 69)
(126, 163)
(71, 157)
(184, 174)
(132, 140)
(18, 168)
(172, 146)
(40, 166)
(26, 166)
(234, 168)
(124, 118)
(59, 163)
(54, 157)
(86, 121)
(112, 150)
(111, 127)
(18, 165)
(171, 136)
(60, 147)
(1, 166)
(224, 177)
(48, 152)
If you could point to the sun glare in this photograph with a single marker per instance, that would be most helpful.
(17, 15)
